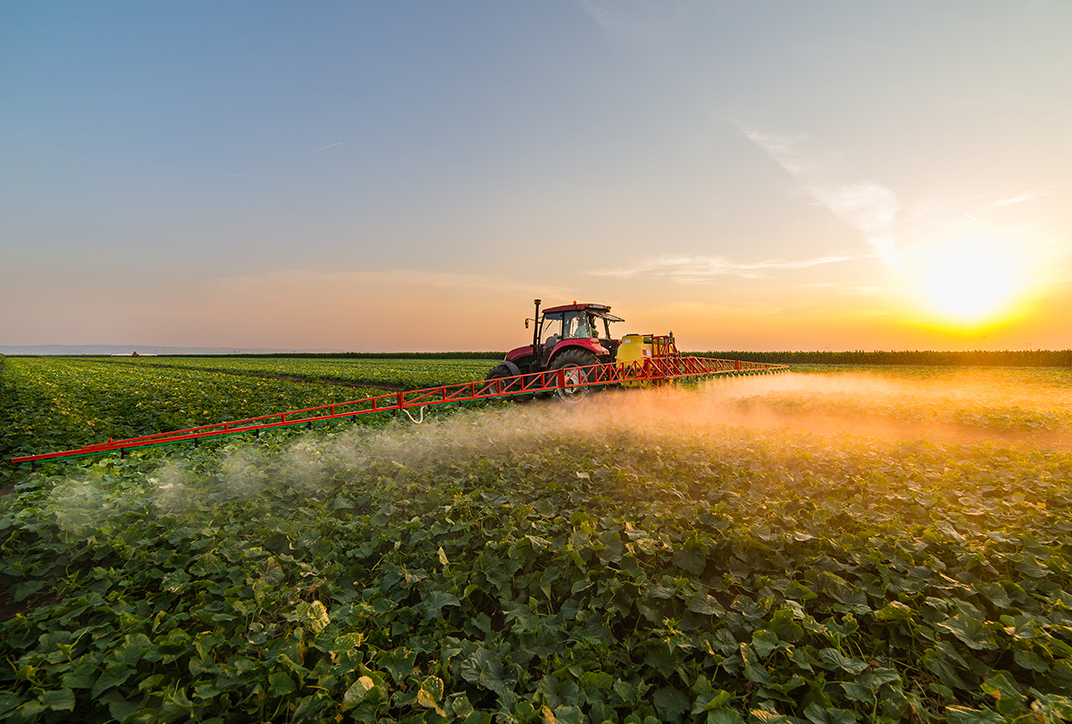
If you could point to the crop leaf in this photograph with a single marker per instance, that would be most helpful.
(118, 706)
(398, 662)
(967, 715)
(358, 692)
(58, 700)
(1052, 707)
(671, 703)
(834, 659)
(970, 630)
(112, 676)
(1006, 694)
(724, 715)
(280, 684)
(430, 694)
(821, 715)
(435, 601)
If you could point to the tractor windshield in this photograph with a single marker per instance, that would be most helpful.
(579, 325)
(576, 324)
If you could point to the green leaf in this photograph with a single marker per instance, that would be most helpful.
(568, 715)
(314, 615)
(970, 630)
(112, 676)
(119, 707)
(1052, 707)
(434, 602)
(594, 681)
(58, 700)
(23, 589)
(430, 694)
(706, 605)
(754, 671)
(967, 715)
(487, 669)
(398, 662)
(834, 659)
(1005, 692)
(280, 684)
(724, 715)
(625, 691)
(1031, 661)
(82, 675)
(709, 701)
(693, 560)
(764, 642)
(822, 715)
(358, 692)
(9, 700)
(895, 611)
(671, 703)
(768, 716)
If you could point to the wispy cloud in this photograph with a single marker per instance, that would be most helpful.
(1027, 196)
(702, 268)
(643, 21)
(322, 148)
(866, 205)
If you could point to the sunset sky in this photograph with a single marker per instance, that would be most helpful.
(390, 176)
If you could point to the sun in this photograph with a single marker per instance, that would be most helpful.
(968, 281)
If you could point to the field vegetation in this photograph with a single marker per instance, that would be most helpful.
(828, 545)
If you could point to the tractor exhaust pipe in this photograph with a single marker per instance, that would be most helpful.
(536, 327)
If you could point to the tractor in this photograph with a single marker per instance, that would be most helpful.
(574, 336)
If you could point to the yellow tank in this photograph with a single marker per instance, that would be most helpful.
(634, 349)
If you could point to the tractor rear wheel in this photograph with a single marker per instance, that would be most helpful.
(569, 361)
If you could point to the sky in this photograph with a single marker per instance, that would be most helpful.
(409, 176)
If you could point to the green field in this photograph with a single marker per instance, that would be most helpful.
(831, 545)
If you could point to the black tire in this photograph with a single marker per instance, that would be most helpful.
(569, 360)
(500, 371)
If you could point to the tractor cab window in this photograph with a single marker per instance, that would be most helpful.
(579, 325)
(552, 329)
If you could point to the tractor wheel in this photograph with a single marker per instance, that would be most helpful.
(498, 372)
(569, 361)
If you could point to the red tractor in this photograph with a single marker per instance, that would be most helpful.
(565, 337)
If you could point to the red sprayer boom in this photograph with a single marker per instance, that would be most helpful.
(647, 370)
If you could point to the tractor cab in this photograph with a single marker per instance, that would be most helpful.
(571, 334)
(586, 326)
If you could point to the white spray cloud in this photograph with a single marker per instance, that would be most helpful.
(866, 205)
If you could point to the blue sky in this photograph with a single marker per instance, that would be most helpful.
(410, 175)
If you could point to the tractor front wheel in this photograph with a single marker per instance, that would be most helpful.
(500, 371)
(569, 362)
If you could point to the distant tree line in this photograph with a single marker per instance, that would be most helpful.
(979, 358)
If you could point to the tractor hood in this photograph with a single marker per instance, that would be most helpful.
(519, 352)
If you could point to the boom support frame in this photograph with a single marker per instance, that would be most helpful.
(653, 371)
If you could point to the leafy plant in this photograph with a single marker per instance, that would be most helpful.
(616, 561)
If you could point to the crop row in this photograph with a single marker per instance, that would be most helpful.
(59, 403)
(404, 374)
